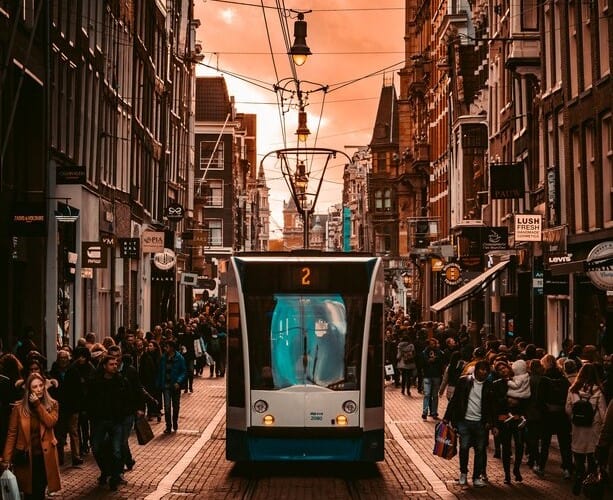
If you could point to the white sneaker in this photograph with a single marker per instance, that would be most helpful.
(478, 483)
(566, 474)
(462, 481)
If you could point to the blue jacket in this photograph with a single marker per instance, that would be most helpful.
(178, 374)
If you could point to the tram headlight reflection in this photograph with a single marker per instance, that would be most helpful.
(350, 406)
(260, 406)
(268, 420)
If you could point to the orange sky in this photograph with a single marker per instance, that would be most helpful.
(349, 39)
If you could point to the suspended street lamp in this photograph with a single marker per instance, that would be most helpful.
(300, 50)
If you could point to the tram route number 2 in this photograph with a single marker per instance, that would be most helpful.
(309, 276)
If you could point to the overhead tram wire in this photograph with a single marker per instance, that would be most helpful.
(274, 65)
(246, 4)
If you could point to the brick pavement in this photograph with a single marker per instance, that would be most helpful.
(207, 474)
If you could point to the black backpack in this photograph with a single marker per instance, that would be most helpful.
(583, 412)
(555, 394)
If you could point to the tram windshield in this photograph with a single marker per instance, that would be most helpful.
(305, 340)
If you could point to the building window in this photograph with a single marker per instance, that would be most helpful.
(577, 184)
(604, 36)
(382, 243)
(590, 167)
(378, 199)
(607, 170)
(387, 200)
(211, 155)
(573, 59)
(213, 193)
(586, 40)
(214, 229)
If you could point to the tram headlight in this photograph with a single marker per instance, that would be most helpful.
(268, 420)
(260, 406)
(350, 406)
(341, 420)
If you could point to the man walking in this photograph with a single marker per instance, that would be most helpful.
(171, 376)
(433, 369)
(471, 411)
(108, 398)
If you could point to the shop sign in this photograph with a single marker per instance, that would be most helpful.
(70, 174)
(603, 277)
(528, 227)
(153, 241)
(165, 260)
(174, 212)
(452, 273)
(494, 238)
(28, 219)
(129, 248)
(506, 181)
(93, 254)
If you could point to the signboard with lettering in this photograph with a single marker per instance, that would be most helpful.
(165, 260)
(70, 174)
(129, 248)
(153, 241)
(93, 254)
(528, 227)
(174, 212)
(602, 277)
(506, 181)
(28, 219)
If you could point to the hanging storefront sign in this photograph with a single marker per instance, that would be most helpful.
(28, 219)
(494, 238)
(152, 241)
(129, 248)
(453, 274)
(93, 254)
(603, 276)
(174, 212)
(528, 227)
(506, 181)
(165, 260)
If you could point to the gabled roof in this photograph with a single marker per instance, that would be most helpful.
(212, 100)
(385, 131)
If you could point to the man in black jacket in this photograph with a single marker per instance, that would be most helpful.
(108, 398)
(471, 411)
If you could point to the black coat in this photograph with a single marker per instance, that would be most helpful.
(456, 409)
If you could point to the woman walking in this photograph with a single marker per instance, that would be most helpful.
(584, 394)
(31, 443)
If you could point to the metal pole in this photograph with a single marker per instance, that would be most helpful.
(306, 218)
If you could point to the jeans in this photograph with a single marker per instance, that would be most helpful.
(472, 434)
(189, 363)
(106, 438)
(126, 453)
(510, 433)
(172, 400)
(406, 378)
(431, 386)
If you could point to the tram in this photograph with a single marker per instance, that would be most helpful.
(305, 357)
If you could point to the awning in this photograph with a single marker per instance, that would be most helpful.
(471, 288)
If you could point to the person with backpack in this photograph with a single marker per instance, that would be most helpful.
(586, 406)
(406, 364)
(554, 388)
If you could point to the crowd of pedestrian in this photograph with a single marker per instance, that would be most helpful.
(519, 393)
(89, 399)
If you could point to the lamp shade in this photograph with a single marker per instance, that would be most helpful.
(303, 131)
(300, 50)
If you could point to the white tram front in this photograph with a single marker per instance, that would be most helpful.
(305, 358)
